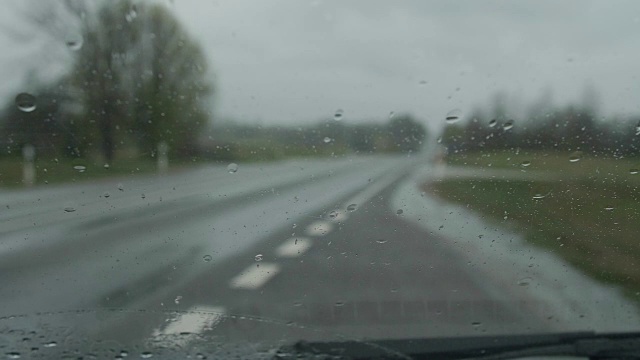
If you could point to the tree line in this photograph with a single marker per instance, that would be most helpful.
(572, 127)
(232, 141)
(137, 79)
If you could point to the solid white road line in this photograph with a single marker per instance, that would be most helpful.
(194, 321)
(319, 228)
(255, 276)
(293, 247)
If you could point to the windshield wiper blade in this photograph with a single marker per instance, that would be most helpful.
(582, 344)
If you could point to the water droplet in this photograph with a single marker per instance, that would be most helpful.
(333, 214)
(207, 258)
(232, 168)
(609, 208)
(575, 157)
(423, 82)
(327, 140)
(124, 353)
(297, 304)
(525, 163)
(339, 303)
(74, 41)
(476, 324)
(50, 344)
(13, 355)
(120, 186)
(143, 196)
(80, 168)
(69, 209)
(391, 115)
(132, 14)
(26, 102)
(106, 194)
(493, 122)
(146, 355)
(381, 241)
(399, 211)
(453, 116)
(352, 207)
(634, 171)
(508, 125)
(337, 116)
(539, 196)
(106, 166)
(177, 300)
(258, 257)
(638, 128)
(524, 281)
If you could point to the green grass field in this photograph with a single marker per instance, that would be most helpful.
(590, 215)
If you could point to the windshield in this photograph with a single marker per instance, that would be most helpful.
(178, 174)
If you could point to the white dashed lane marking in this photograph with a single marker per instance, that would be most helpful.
(338, 215)
(255, 276)
(293, 247)
(195, 321)
(319, 228)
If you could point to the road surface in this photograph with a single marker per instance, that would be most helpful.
(301, 249)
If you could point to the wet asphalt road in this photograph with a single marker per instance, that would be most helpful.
(275, 252)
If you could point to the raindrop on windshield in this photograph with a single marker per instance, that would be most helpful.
(106, 166)
(381, 241)
(508, 125)
(69, 209)
(120, 187)
(232, 168)
(453, 116)
(51, 344)
(493, 123)
(539, 196)
(391, 115)
(80, 168)
(337, 116)
(352, 207)
(74, 42)
(106, 194)
(13, 355)
(525, 163)
(399, 211)
(207, 258)
(177, 300)
(638, 128)
(609, 208)
(423, 82)
(258, 257)
(524, 281)
(333, 214)
(634, 171)
(327, 140)
(143, 196)
(339, 303)
(26, 102)
(146, 355)
(575, 157)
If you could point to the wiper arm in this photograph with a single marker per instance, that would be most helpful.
(580, 344)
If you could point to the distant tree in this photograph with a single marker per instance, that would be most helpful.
(170, 88)
(407, 134)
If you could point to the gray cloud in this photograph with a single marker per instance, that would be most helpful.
(290, 61)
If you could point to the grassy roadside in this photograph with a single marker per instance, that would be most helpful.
(52, 171)
(591, 217)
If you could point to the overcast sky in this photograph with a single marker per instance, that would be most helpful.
(296, 61)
